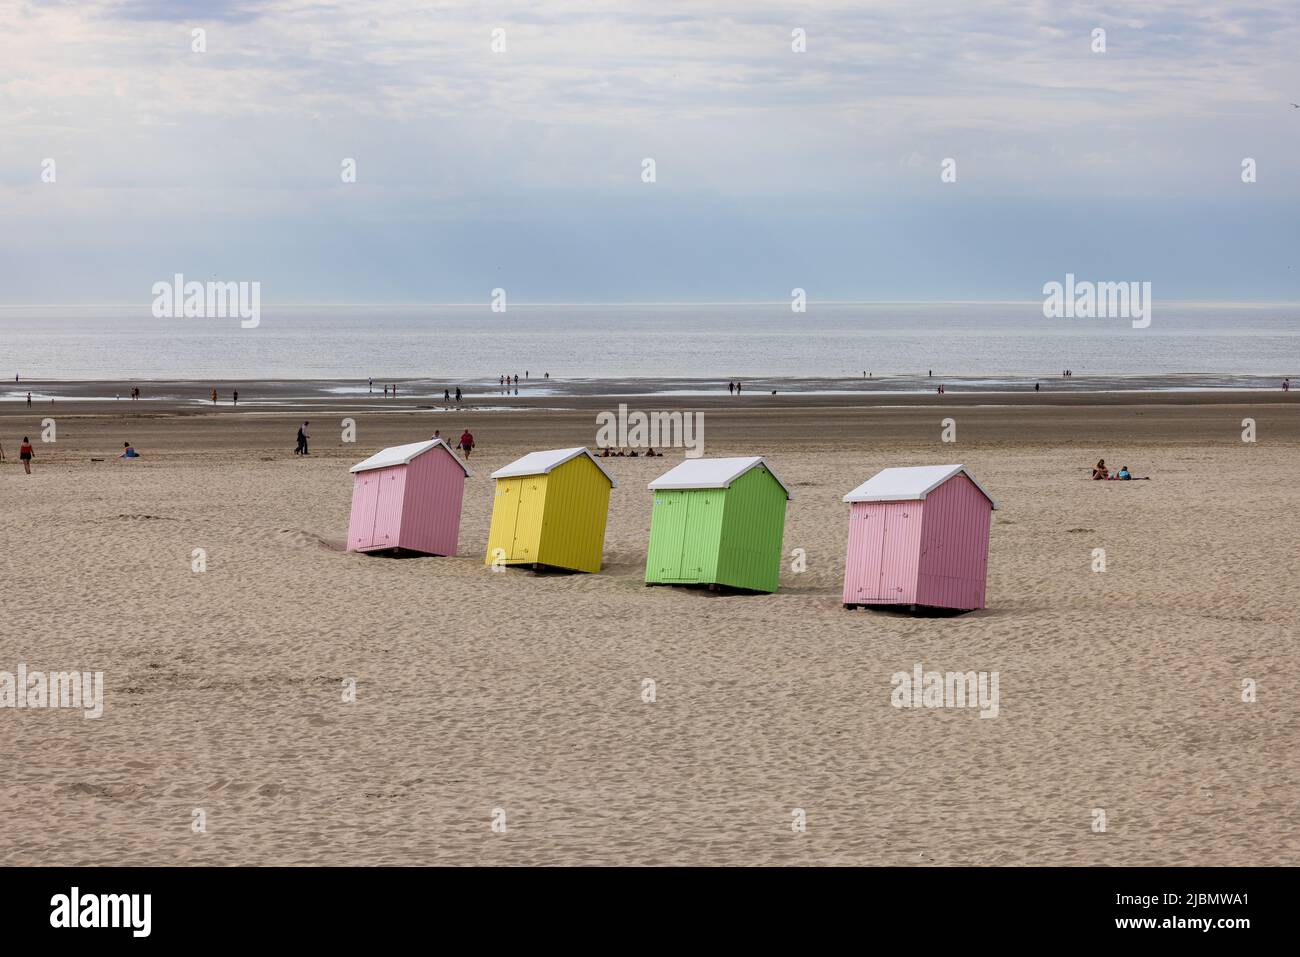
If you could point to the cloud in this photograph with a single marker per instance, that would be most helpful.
(147, 131)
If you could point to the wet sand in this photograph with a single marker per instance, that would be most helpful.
(475, 690)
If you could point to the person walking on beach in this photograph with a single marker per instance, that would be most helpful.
(214, 396)
(1035, 386)
(29, 400)
(458, 393)
(385, 390)
(731, 387)
(302, 440)
(372, 385)
(234, 397)
(25, 453)
(737, 387)
(446, 395)
(466, 443)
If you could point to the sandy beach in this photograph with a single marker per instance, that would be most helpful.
(477, 690)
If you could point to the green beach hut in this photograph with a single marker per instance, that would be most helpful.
(717, 522)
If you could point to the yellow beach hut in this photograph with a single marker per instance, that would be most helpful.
(550, 510)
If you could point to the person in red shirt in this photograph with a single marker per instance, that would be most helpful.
(25, 453)
(466, 442)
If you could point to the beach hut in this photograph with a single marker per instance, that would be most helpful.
(408, 498)
(918, 536)
(550, 509)
(717, 522)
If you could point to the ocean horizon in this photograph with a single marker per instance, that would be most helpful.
(705, 341)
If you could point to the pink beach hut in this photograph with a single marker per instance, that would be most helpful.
(918, 536)
(408, 498)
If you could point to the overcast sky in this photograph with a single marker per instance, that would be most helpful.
(523, 169)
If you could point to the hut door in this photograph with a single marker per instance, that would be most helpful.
(670, 548)
(866, 549)
(528, 520)
(895, 538)
(367, 504)
(695, 527)
(507, 503)
(388, 508)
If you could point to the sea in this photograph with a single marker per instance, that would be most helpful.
(1219, 343)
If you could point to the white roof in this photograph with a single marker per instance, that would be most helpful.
(540, 463)
(910, 484)
(403, 454)
(713, 473)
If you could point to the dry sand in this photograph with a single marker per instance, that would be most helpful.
(478, 690)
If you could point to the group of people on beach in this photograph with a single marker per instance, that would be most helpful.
(26, 453)
(234, 397)
(650, 453)
(1101, 473)
(465, 443)
(733, 388)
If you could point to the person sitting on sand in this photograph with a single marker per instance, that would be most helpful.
(128, 452)
(1123, 473)
(1099, 471)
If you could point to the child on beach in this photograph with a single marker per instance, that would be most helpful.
(25, 453)
(129, 452)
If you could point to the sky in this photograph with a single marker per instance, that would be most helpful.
(523, 168)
